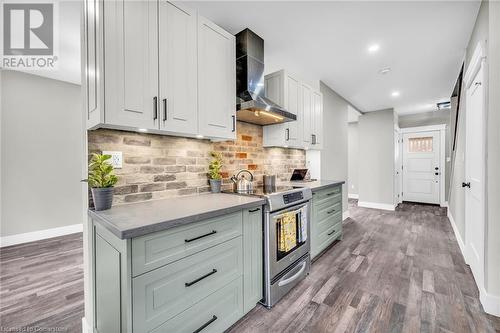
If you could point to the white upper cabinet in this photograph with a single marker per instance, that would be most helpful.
(283, 89)
(317, 118)
(178, 68)
(300, 99)
(216, 81)
(157, 65)
(131, 63)
(305, 113)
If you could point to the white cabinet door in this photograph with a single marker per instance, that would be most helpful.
(317, 120)
(131, 63)
(178, 68)
(216, 81)
(305, 113)
(92, 62)
(292, 100)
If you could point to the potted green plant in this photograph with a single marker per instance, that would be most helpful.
(101, 181)
(214, 173)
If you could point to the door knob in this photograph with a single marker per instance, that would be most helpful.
(436, 173)
(466, 184)
(436, 168)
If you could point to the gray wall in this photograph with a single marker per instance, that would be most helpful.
(428, 119)
(425, 119)
(334, 153)
(41, 139)
(376, 157)
(353, 156)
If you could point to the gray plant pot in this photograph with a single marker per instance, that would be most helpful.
(215, 185)
(103, 198)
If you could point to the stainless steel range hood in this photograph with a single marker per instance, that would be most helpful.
(252, 106)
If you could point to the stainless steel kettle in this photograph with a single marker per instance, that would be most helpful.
(241, 184)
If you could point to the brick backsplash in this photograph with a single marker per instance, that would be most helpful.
(158, 166)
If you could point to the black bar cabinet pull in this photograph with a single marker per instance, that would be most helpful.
(155, 108)
(234, 122)
(466, 185)
(189, 284)
(254, 210)
(287, 134)
(331, 233)
(205, 235)
(164, 109)
(330, 211)
(214, 318)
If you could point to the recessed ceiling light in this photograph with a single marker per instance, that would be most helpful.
(384, 70)
(199, 136)
(395, 94)
(373, 48)
(143, 130)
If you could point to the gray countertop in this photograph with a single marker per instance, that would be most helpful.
(314, 185)
(138, 219)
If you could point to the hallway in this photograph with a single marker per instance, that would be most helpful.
(396, 271)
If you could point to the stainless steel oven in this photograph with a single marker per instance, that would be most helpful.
(287, 246)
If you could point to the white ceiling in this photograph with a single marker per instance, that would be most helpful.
(423, 42)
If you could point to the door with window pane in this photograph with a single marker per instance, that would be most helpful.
(421, 167)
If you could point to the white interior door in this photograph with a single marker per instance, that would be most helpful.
(474, 173)
(421, 167)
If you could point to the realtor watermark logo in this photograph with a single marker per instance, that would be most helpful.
(29, 36)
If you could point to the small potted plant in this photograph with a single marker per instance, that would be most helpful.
(214, 172)
(101, 181)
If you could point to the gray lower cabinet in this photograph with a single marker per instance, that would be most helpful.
(201, 277)
(326, 218)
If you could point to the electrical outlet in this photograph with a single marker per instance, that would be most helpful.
(116, 158)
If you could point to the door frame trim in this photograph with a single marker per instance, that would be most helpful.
(442, 154)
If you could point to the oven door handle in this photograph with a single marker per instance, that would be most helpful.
(294, 277)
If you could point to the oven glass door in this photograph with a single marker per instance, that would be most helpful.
(291, 231)
(288, 236)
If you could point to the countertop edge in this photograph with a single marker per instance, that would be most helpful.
(320, 187)
(165, 225)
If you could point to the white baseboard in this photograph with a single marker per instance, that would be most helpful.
(491, 303)
(345, 215)
(353, 196)
(460, 241)
(40, 234)
(376, 205)
(85, 326)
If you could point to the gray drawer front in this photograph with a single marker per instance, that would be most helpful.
(163, 293)
(327, 237)
(219, 310)
(331, 195)
(326, 211)
(161, 248)
(328, 221)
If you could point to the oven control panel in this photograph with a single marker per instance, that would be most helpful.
(292, 197)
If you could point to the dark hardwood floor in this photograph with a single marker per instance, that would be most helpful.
(393, 272)
(396, 271)
(41, 286)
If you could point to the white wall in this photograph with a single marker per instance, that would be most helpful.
(376, 158)
(353, 156)
(334, 153)
(41, 148)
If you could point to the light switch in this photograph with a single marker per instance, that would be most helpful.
(116, 158)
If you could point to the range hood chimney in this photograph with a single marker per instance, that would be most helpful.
(252, 106)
